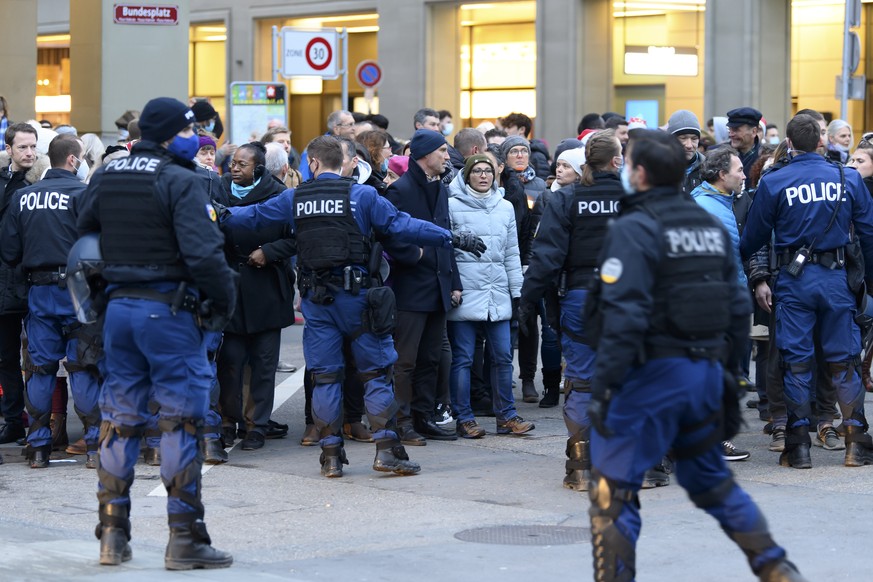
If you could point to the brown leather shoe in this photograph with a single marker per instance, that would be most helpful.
(310, 436)
(77, 448)
(356, 431)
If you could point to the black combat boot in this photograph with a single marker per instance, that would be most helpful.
(92, 456)
(859, 447)
(213, 451)
(113, 531)
(58, 424)
(391, 457)
(152, 455)
(191, 548)
(38, 456)
(552, 390)
(332, 459)
(781, 571)
(659, 475)
(578, 464)
(796, 453)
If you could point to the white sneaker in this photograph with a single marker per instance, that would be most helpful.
(444, 415)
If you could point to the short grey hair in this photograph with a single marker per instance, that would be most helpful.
(336, 118)
(421, 114)
(717, 160)
(276, 158)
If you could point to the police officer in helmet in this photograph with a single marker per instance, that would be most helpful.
(38, 232)
(167, 278)
(333, 219)
(665, 306)
(810, 205)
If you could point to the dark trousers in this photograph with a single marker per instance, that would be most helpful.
(12, 405)
(261, 352)
(353, 390)
(418, 340)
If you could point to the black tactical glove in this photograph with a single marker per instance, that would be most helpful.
(221, 211)
(467, 241)
(209, 318)
(523, 314)
(598, 409)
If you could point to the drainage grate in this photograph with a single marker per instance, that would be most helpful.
(526, 535)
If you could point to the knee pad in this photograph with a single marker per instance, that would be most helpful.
(803, 367)
(41, 418)
(576, 385)
(193, 426)
(89, 418)
(714, 496)
(336, 377)
(843, 367)
(609, 545)
(108, 430)
(387, 373)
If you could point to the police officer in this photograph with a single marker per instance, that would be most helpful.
(333, 219)
(809, 205)
(38, 231)
(162, 253)
(666, 299)
(565, 252)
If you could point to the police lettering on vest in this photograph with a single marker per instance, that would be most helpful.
(134, 164)
(590, 207)
(806, 193)
(691, 241)
(319, 207)
(45, 201)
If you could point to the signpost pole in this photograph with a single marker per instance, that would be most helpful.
(847, 73)
(344, 37)
(275, 72)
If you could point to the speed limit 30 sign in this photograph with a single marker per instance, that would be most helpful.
(309, 53)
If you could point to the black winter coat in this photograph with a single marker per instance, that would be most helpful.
(266, 295)
(422, 284)
(13, 288)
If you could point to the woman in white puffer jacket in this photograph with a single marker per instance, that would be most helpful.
(492, 286)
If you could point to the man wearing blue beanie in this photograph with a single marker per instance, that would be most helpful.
(427, 285)
(168, 282)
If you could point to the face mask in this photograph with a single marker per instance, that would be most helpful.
(448, 129)
(82, 170)
(209, 126)
(185, 147)
(384, 167)
(774, 140)
(625, 180)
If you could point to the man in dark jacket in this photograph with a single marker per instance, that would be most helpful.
(427, 285)
(265, 303)
(21, 147)
(683, 125)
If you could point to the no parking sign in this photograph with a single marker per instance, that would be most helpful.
(368, 74)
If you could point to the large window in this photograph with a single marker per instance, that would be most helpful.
(207, 64)
(53, 78)
(498, 60)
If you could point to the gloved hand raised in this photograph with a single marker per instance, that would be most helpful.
(221, 211)
(524, 314)
(598, 409)
(469, 242)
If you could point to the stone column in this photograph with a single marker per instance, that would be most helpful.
(18, 47)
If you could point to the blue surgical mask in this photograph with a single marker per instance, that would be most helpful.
(625, 180)
(82, 170)
(209, 126)
(774, 140)
(185, 147)
(448, 129)
(384, 166)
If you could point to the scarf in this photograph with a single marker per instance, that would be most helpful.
(242, 191)
(477, 194)
(526, 175)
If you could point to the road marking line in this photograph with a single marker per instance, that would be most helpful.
(284, 391)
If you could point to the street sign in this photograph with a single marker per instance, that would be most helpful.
(857, 87)
(252, 106)
(145, 14)
(368, 74)
(310, 53)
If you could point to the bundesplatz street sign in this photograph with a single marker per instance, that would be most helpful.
(146, 14)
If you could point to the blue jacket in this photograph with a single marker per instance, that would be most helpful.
(721, 205)
(494, 279)
(797, 202)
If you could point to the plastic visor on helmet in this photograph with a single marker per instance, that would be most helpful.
(84, 280)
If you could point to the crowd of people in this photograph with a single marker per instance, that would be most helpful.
(420, 267)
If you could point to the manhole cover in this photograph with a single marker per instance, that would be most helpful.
(526, 535)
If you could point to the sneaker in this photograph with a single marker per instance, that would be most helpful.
(827, 438)
(732, 453)
(515, 425)
(777, 442)
(443, 415)
(470, 429)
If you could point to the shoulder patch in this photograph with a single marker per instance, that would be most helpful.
(210, 212)
(611, 270)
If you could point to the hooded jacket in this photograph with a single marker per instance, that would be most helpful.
(720, 205)
(493, 280)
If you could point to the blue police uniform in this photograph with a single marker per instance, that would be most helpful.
(332, 303)
(797, 204)
(565, 252)
(163, 253)
(667, 296)
(38, 232)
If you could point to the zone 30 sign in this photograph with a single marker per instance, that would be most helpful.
(309, 53)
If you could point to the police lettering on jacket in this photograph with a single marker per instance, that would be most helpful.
(592, 207)
(45, 201)
(319, 207)
(134, 164)
(694, 241)
(806, 193)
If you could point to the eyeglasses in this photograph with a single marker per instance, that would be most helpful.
(519, 152)
(240, 165)
(481, 172)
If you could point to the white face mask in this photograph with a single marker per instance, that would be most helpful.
(625, 180)
(83, 170)
(448, 129)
